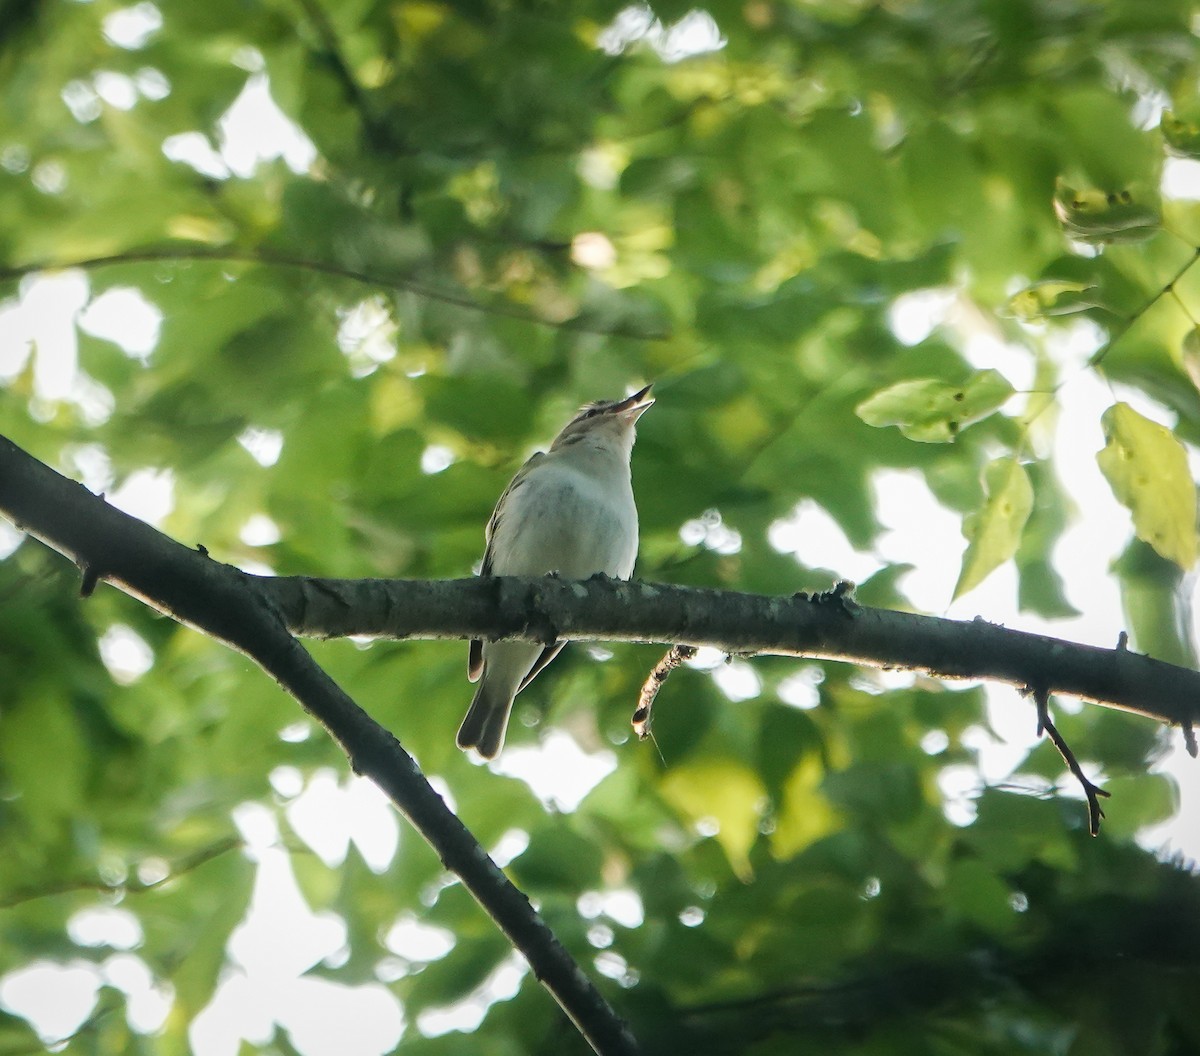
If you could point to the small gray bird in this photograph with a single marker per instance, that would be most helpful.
(569, 511)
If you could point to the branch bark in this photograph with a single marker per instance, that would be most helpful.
(226, 604)
(823, 626)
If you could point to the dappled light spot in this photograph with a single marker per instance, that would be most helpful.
(296, 732)
(329, 815)
(959, 785)
(265, 445)
(287, 781)
(558, 771)
(367, 335)
(82, 100)
(615, 967)
(913, 316)
(54, 998)
(108, 926)
(125, 653)
(694, 34)
(123, 315)
(148, 1002)
(801, 689)
(49, 177)
(737, 680)
(152, 84)
(934, 742)
(509, 847)
(818, 541)
(92, 466)
(436, 458)
(501, 984)
(132, 27)
(418, 942)
(600, 936)
(622, 905)
(147, 494)
(710, 531)
(594, 250)
(260, 530)
(116, 89)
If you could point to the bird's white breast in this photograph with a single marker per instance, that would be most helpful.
(574, 516)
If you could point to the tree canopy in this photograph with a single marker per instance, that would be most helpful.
(303, 283)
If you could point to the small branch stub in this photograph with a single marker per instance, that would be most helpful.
(675, 656)
(1091, 790)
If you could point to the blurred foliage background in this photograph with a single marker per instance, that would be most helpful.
(306, 282)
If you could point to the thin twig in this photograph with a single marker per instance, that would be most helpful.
(128, 886)
(233, 255)
(1098, 356)
(674, 656)
(1092, 791)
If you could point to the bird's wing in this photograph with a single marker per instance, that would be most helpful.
(475, 653)
(498, 513)
(548, 654)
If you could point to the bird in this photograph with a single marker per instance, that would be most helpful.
(569, 512)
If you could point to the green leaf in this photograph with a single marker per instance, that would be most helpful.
(1148, 471)
(994, 532)
(1182, 135)
(1100, 217)
(723, 791)
(1191, 354)
(1052, 297)
(932, 411)
(1139, 801)
(1156, 602)
(976, 893)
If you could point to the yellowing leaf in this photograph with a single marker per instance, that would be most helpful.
(1147, 469)
(994, 532)
(1100, 217)
(931, 411)
(804, 813)
(1051, 297)
(723, 792)
(1182, 136)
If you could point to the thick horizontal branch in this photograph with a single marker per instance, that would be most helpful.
(823, 626)
(196, 590)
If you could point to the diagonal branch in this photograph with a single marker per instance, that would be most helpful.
(225, 604)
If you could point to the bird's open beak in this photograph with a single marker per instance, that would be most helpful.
(633, 407)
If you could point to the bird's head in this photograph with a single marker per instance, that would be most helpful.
(606, 423)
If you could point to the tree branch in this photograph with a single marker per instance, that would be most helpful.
(821, 627)
(1091, 791)
(275, 258)
(226, 604)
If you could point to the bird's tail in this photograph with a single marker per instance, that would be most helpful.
(487, 719)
